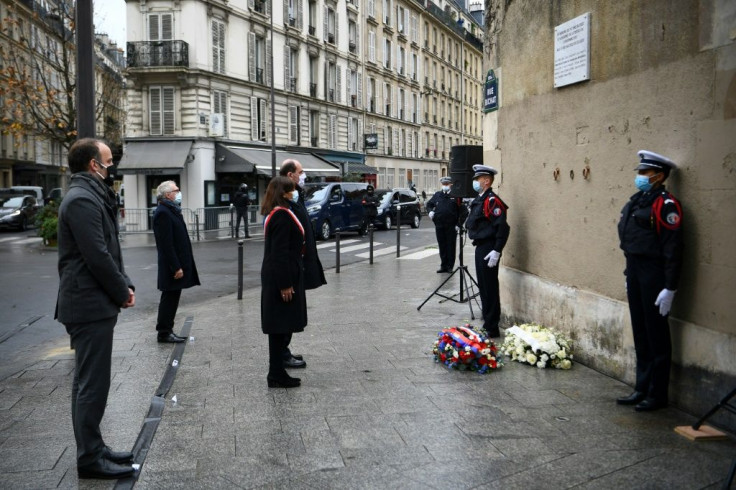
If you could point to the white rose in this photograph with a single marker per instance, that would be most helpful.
(541, 364)
(566, 364)
(531, 358)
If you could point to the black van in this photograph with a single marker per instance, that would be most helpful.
(335, 206)
(390, 199)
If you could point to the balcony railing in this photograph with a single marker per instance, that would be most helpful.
(372, 105)
(313, 90)
(260, 6)
(292, 84)
(312, 30)
(331, 95)
(354, 100)
(157, 53)
(259, 75)
(331, 38)
(352, 46)
(315, 141)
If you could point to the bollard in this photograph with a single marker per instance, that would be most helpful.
(370, 238)
(337, 252)
(398, 230)
(240, 269)
(196, 224)
(232, 221)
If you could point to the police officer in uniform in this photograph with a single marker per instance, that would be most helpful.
(650, 231)
(370, 208)
(489, 230)
(445, 212)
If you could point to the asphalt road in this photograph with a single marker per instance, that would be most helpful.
(29, 280)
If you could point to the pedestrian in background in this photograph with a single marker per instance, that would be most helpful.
(241, 202)
(314, 275)
(93, 287)
(283, 296)
(446, 212)
(176, 267)
(650, 231)
(370, 208)
(488, 228)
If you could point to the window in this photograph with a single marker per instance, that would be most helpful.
(390, 177)
(402, 177)
(386, 53)
(400, 60)
(219, 106)
(291, 57)
(387, 12)
(402, 104)
(353, 134)
(352, 37)
(387, 98)
(218, 46)
(401, 27)
(294, 126)
(161, 27)
(314, 128)
(331, 79)
(414, 108)
(330, 26)
(259, 59)
(258, 119)
(371, 10)
(332, 131)
(372, 46)
(354, 87)
(414, 67)
(161, 110)
(372, 95)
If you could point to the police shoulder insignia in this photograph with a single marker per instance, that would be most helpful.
(673, 218)
(497, 211)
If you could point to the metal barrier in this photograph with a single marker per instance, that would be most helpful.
(197, 221)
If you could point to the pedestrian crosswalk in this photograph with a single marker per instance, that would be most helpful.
(20, 240)
(379, 249)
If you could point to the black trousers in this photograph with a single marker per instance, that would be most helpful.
(446, 240)
(242, 213)
(644, 281)
(277, 342)
(490, 299)
(92, 344)
(167, 307)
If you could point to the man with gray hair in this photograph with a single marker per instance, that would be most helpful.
(176, 267)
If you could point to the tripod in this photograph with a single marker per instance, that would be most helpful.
(467, 292)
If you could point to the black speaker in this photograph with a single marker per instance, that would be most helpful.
(462, 159)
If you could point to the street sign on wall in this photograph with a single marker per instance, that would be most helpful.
(490, 99)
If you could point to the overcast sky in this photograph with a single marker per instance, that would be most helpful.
(110, 19)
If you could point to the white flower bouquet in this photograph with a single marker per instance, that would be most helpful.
(537, 345)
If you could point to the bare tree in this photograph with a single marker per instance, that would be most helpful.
(39, 76)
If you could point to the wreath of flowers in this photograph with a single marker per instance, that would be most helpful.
(537, 345)
(467, 349)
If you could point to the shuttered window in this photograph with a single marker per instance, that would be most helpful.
(161, 111)
(219, 105)
(161, 27)
(218, 46)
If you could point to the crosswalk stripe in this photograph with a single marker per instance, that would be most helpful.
(379, 252)
(29, 240)
(356, 247)
(332, 244)
(428, 252)
(8, 239)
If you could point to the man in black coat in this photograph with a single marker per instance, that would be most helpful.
(446, 212)
(176, 267)
(314, 275)
(93, 286)
(370, 208)
(241, 203)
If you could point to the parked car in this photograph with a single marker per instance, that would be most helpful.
(32, 190)
(334, 206)
(17, 211)
(54, 195)
(387, 208)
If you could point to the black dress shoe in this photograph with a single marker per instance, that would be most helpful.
(119, 457)
(649, 405)
(298, 356)
(441, 270)
(171, 338)
(294, 363)
(283, 381)
(104, 470)
(632, 399)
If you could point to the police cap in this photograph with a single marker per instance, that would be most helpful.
(481, 170)
(445, 180)
(654, 161)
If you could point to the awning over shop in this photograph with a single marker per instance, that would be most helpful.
(359, 168)
(239, 159)
(154, 157)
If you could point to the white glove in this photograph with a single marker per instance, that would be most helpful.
(664, 301)
(492, 258)
(457, 229)
(431, 215)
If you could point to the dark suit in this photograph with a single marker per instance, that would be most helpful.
(241, 203)
(92, 288)
(174, 252)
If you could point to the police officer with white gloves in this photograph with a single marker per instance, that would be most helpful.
(650, 231)
(489, 230)
(446, 212)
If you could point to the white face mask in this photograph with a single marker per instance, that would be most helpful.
(302, 179)
(295, 195)
(446, 188)
(177, 198)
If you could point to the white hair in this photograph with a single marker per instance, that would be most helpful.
(164, 188)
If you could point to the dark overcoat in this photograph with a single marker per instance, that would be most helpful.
(93, 284)
(283, 268)
(174, 248)
(314, 274)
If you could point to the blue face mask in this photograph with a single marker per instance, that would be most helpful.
(177, 198)
(295, 195)
(642, 183)
(476, 186)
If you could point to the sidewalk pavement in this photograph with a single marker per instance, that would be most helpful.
(373, 411)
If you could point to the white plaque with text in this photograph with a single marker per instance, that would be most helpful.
(572, 51)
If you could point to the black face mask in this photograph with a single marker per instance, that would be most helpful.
(110, 179)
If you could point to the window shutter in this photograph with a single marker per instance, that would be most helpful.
(396, 141)
(359, 93)
(349, 83)
(337, 29)
(154, 33)
(168, 110)
(338, 84)
(395, 104)
(268, 62)
(409, 146)
(252, 56)
(331, 131)
(215, 54)
(167, 27)
(359, 145)
(287, 67)
(406, 108)
(293, 125)
(251, 4)
(385, 140)
(406, 22)
(357, 39)
(254, 118)
(286, 12)
(351, 136)
(264, 120)
(305, 128)
(268, 8)
(326, 24)
(154, 110)
(372, 46)
(299, 9)
(327, 80)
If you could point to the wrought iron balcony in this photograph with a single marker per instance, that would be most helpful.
(313, 90)
(292, 84)
(143, 54)
(312, 30)
(259, 75)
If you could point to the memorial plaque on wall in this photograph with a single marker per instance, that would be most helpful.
(572, 51)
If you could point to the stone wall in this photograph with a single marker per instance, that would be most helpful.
(663, 78)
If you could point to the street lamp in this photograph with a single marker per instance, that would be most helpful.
(273, 119)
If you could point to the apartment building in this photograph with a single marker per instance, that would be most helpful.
(37, 66)
(199, 95)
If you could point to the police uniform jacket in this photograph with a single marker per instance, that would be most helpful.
(241, 200)
(487, 222)
(174, 248)
(93, 284)
(650, 227)
(447, 209)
